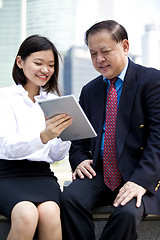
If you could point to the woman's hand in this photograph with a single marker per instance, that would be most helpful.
(55, 126)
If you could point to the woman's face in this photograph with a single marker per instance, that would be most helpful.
(38, 67)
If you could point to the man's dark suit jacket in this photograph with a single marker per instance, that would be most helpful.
(137, 130)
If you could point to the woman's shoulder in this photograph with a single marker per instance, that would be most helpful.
(5, 91)
(12, 90)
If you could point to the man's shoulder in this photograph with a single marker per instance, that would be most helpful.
(142, 74)
(141, 69)
(95, 82)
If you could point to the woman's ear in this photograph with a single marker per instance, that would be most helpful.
(19, 61)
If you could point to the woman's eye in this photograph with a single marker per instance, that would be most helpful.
(51, 66)
(37, 63)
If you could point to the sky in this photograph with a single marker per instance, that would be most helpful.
(138, 14)
(132, 14)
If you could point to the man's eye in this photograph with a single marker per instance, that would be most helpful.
(106, 52)
(93, 54)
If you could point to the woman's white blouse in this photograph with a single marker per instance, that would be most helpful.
(21, 121)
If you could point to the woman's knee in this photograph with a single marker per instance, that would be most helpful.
(49, 213)
(25, 213)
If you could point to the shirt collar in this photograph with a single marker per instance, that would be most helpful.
(21, 90)
(121, 75)
(42, 95)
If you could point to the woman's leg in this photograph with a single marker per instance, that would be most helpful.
(24, 220)
(49, 224)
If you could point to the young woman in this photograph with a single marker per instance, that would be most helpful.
(28, 144)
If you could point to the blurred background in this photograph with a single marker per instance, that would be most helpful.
(64, 22)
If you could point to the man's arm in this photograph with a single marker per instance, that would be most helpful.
(146, 175)
(80, 158)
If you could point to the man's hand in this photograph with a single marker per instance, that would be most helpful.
(129, 191)
(84, 169)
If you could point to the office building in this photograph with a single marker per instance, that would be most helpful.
(151, 45)
(1, 4)
(53, 19)
(100, 10)
(10, 38)
(78, 70)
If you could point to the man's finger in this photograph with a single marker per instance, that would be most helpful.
(138, 203)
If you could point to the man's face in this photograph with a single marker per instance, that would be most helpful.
(108, 57)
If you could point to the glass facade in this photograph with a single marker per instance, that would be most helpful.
(10, 38)
(1, 3)
(151, 45)
(64, 22)
(54, 19)
(78, 70)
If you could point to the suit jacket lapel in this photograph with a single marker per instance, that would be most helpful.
(125, 107)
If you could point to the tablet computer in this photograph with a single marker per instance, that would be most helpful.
(80, 128)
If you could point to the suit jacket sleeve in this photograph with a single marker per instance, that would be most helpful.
(92, 100)
(138, 127)
(147, 171)
(80, 149)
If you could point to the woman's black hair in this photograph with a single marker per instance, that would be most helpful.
(31, 44)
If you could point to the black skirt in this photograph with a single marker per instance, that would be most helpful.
(23, 180)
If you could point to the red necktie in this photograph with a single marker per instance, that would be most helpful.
(112, 176)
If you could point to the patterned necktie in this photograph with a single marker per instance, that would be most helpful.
(112, 176)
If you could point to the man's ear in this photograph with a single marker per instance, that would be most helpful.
(125, 46)
(19, 62)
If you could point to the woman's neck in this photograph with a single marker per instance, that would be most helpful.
(32, 91)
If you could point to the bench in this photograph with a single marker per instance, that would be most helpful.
(4, 227)
(149, 228)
